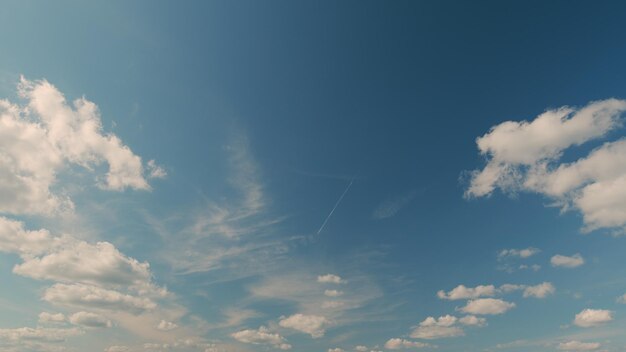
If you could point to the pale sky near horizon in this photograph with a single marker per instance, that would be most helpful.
(312, 176)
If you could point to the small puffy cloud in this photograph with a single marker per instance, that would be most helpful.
(567, 262)
(333, 293)
(462, 292)
(397, 343)
(313, 325)
(155, 171)
(518, 253)
(93, 297)
(361, 348)
(262, 336)
(593, 317)
(45, 317)
(432, 328)
(166, 325)
(539, 291)
(336, 349)
(91, 320)
(472, 320)
(330, 279)
(578, 346)
(485, 306)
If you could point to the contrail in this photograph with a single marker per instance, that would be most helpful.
(335, 207)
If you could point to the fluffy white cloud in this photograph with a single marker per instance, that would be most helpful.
(99, 264)
(45, 317)
(567, 262)
(91, 320)
(487, 306)
(48, 135)
(313, 325)
(117, 348)
(462, 292)
(442, 327)
(333, 293)
(94, 297)
(539, 291)
(519, 253)
(593, 317)
(330, 279)
(262, 336)
(525, 156)
(472, 320)
(578, 346)
(166, 325)
(335, 350)
(397, 343)
(361, 348)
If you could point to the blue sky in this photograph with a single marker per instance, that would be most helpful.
(312, 176)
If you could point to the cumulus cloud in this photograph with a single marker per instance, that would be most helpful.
(261, 336)
(94, 297)
(462, 292)
(441, 327)
(593, 317)
(330, 279)
(485, 306)
(539, 291)
(91, 320)
(361, 348)
(45, 317)
(165, 325)
(47, 135)
(79, 261)
(397, 343)
(336, 349)
(313, 325)
(578, 346)
(567, 262)
(526, 156)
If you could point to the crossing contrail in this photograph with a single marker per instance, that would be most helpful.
(336, 205)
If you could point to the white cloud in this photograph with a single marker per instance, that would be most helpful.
(361, 348)
(47, 136)
(91, 320)
(330, 279)
(117, 348)
(442, 327)
(578, 346)
(335, 350)
(38, 334)
(462, 292)
(397, 343)
(472, 320)
(487, 306)
(567, 262)
(166, 325)
(333, 293)
(593, 317)
(99, 264)
(519, 253)
(262, 336)
(45, 317)
(313, 325)
(526, 156)
(539, 291)
(94, 297)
